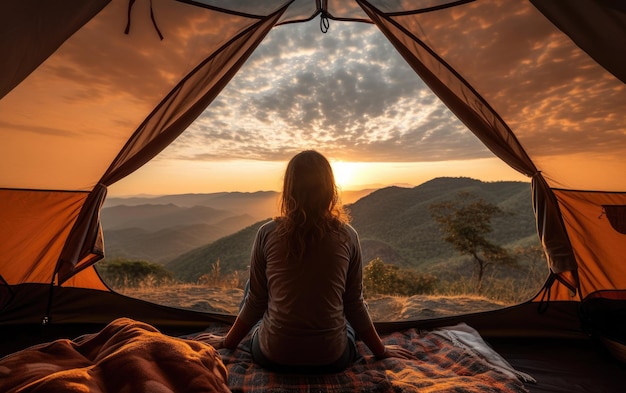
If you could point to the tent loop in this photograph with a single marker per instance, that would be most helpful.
(156, 27)
(324, 22)
(544, 301)
(4, 299)
(616, 215)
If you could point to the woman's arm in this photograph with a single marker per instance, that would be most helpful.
(234, 336)
(371, 338)
(236, 333)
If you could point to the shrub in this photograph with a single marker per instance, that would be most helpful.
(385, 279)
(120, 273)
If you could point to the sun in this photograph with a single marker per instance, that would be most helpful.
(344, 174)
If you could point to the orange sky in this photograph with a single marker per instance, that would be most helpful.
(177, 177)
(350, 95)
(360, 105)
(346, 93)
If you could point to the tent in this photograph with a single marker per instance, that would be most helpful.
(92, 90)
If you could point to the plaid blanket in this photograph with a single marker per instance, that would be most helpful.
(447, 362)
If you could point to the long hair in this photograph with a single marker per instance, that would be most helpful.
(310, 206)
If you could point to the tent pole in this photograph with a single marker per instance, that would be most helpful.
(46, 317)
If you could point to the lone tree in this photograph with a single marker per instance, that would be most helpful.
(464, 222)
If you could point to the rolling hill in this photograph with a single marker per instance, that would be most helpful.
(257, 204)
(159, 228)
(162, 245)
(394, 223)
(400, 218)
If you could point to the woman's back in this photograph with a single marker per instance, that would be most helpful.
(306, 278)
(304, 322)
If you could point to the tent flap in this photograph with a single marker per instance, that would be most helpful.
(598, 27)
(41, 27)
(90, 91)
(84, 245)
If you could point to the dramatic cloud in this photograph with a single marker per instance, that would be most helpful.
(347, 93)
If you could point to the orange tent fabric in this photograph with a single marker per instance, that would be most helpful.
(98, 93)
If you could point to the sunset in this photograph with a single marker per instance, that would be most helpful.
(347, 94)
(167, 176)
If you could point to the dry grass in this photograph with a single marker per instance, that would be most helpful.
(382, 308)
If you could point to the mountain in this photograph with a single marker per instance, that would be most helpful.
(400, 218)
(351, 196)
(158, 229)
(256, 204)
(260, 203)
(164, 244)
(156, 217)
(233, 252)
(394, 223)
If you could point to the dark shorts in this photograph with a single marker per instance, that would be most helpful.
(349, 356)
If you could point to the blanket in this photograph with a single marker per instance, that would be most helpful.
(451, 359)
(130, 356)
(125, 357)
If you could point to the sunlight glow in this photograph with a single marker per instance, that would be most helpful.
(165, 176)
(343, 172)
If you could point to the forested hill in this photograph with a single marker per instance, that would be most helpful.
(160, 228)
(399, 218)
(394, 223)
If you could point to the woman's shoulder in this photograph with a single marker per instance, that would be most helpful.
(349, 228)
(268, 226)
(350, 231)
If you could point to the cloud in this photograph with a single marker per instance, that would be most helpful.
(350, 94)
(347, 93)
(554, 97)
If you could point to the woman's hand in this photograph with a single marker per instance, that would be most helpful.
(396, 351)
(214, 340)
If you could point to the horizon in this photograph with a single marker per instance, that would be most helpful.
(353, 189)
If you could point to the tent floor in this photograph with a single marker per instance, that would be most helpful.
(558, 365)
(563, 365)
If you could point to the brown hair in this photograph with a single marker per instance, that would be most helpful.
(310, 206)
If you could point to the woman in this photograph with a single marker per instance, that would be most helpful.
(305, 288)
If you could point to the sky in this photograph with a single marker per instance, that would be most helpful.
(346, 93)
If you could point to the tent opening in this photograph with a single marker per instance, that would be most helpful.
(179, 230)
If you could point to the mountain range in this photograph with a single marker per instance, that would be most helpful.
(394, 223)
(160, 228)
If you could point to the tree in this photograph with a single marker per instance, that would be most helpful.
(464, 223)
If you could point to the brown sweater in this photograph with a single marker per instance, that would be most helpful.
(304, 305)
